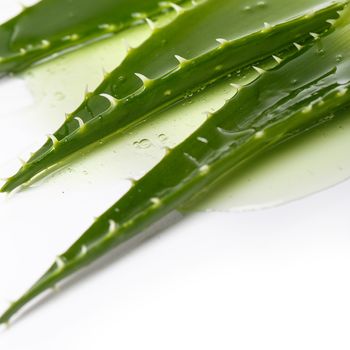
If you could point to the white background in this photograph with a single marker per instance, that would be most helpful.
(266, 279)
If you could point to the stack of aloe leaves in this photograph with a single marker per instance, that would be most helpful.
(287, 62)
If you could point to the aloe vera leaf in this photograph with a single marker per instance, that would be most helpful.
(307, 88)
(102, 114)
(27, 38)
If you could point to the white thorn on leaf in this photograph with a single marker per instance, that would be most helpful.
(259, 134)
(131, 180)
(164, 4)
(204, 169)
(71, 37)
(128, 223)
(83, 250)
(298, 46)
(307, 109)
(143, 78)
(22, 161)
(108, 27)
(176, 7)
(202, 139)
(87, 93)
(236, 86)
(113, 226)
(277, 59)
(59, 262)
(140, 15)
(150, 23)
(156, 201)
(267, 26)
(310, 14)
(74, 37)
(105, 74)
(80, 121)
(222, 41)
(45, 44)
(342, 92)
(331, 21)
(259, 70)
(181, 60)
(128, 47)
(208, 114)
(315, 35)
(23, 6)
(54, 140)
(167, 150)
(321, 103)
(112, 100)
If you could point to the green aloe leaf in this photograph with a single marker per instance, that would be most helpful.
(28, 39)
(309, 86)
(127, 97)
